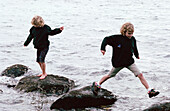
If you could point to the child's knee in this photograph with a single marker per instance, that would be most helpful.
(140, 75)
(108, 76)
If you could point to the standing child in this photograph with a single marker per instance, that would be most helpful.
(124, 45)
(39, 33)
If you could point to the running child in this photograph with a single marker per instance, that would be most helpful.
(124, 46)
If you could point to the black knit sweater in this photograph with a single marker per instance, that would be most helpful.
(40, 36)
(123, 49)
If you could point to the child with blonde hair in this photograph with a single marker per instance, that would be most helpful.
(40, 33)
(124, 46)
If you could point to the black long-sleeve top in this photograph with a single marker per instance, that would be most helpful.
(40, 36)
(123, 49)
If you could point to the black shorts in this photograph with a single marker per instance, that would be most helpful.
(41, 54)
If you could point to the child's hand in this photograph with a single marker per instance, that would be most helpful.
(62, 28)
(103, 52)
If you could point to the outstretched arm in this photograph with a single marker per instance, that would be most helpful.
(56, 31)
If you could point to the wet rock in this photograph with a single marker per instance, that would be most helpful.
(84, 98)
(52, 84)
(159, 107)
(15, 71)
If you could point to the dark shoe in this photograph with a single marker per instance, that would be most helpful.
(95, 88)
(153, 93)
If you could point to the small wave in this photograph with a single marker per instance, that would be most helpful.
(91, 45)
(66, 68)
(118, 18)
(100, 30)
(5, 51)
(100, 72)
(8, 81)
(8, 26)
(12, 102)
(71, 53)
(167, 56)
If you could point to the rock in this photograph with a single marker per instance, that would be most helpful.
(52, 84)
(84, 98)
(15, 71)
(159, 107)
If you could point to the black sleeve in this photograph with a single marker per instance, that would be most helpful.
(30, 37)
(135, 49)
(107, 41)
(53, 32)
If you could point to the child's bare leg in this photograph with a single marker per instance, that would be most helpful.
(104, 78)
(41, 69)
(44, 74)
(112, 73)
(43, 66)
(96, 86)
(143, 80)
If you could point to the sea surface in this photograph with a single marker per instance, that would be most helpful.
(75, 53)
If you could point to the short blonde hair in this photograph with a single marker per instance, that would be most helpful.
(37, 21)
(126, 27)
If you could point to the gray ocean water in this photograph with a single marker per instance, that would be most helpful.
(75, 53)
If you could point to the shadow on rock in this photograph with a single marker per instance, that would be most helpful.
(84, 98)
(15, 71)
(52, 84)
(159, 107)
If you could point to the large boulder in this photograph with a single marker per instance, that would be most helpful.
(84, 98)
(15, 71)
(52, 84)
(159, 107)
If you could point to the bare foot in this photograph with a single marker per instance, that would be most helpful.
(39, 75)
(43, 76)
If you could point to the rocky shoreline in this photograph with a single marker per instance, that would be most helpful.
(59, 85)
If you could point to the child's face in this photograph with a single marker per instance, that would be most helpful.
(129, 34)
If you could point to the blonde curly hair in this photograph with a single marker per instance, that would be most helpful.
(126, 27)
(37, 21)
